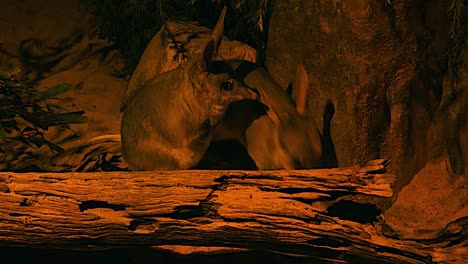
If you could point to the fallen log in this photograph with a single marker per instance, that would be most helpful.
(300, 212)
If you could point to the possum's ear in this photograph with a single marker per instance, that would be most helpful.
(204, 60)
(211, 48)
(301, 87)
(218, 31)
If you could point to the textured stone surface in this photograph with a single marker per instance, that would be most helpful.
(382, 66)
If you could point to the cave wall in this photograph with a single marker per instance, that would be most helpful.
(383, 66)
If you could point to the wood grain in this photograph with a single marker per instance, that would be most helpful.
(284, 211)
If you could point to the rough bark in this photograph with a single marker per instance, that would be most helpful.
(294, 212)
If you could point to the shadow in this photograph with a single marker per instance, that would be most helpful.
(19, 255)
(328, 148)
(226, 155)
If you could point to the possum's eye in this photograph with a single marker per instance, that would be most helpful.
(227, 86)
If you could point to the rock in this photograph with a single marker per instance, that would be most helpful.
(65, 55)
(90, 146)
(38, 28)
(382, 66)
(428, 204)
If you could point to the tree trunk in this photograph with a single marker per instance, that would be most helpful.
(306, 212)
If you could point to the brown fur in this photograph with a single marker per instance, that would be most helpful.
(168, 123)
(285, 138)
